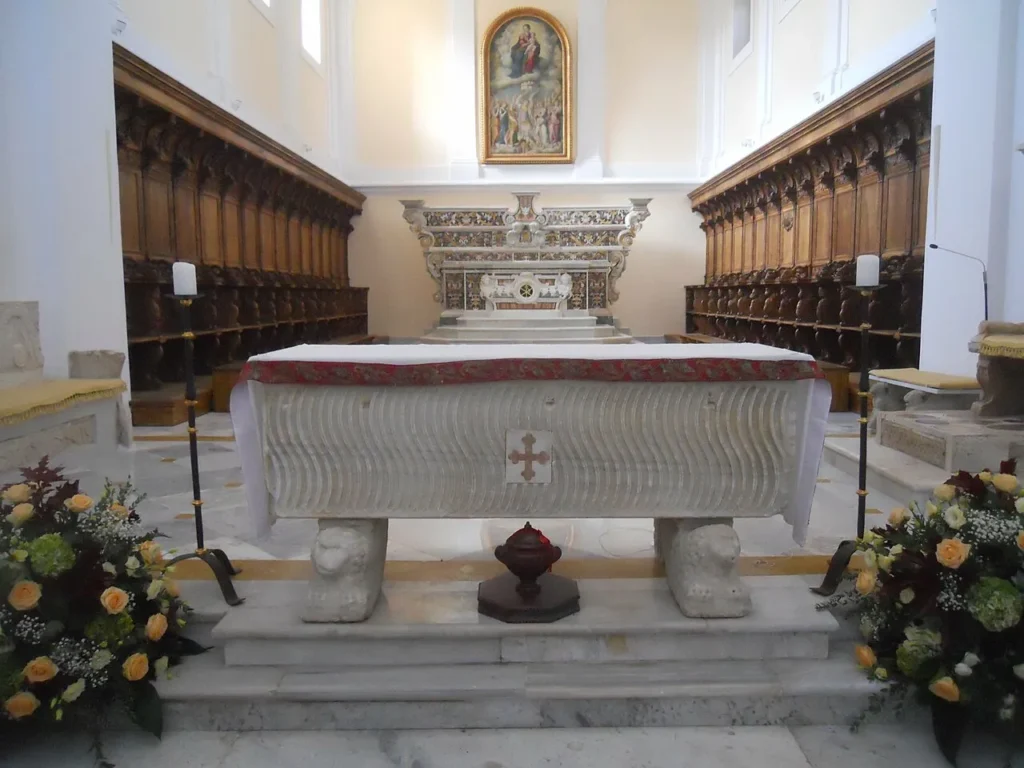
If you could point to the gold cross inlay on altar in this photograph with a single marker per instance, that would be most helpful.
(528, 455)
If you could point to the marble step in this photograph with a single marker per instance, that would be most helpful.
(540, 339)
(515, 332)
(628, 620)
(206, 695)
(890, 472)
(585, 321)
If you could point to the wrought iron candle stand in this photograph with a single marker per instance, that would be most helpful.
(846, 549)
(218, 562)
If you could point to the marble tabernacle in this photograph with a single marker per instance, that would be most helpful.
(691, 436)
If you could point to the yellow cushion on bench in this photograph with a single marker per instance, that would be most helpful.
(27, 401)
(927, 378)
(1003, 345)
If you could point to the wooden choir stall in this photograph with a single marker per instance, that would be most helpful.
(266, 228)
(785, 225)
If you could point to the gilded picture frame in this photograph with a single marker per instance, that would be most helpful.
(525, 98)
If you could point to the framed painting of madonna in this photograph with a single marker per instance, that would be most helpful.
(526, 95)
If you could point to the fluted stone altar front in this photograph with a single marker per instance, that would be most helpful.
(693, 437)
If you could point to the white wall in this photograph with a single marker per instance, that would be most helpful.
(247, 59)
(977, 178)
(803, 55)
(60, 229)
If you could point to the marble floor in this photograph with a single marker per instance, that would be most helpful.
(747, 747)
(158, 465)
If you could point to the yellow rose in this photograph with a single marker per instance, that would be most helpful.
(898, 517)
(151, 553)
(171, 588)
(78, 503)
(882, 673)
(21, 514)
(945, 493)
(156, 626)
(1005, 483)
(119, 509)
(39, 670)
(865, 656)
(931, 509)
(135, 667)
(985, 477)
(866, 581)
(952, 552)
(1020, 540)
(17, 494)
(21, 705)
(114, 600)
(945, 688)
(24, 595)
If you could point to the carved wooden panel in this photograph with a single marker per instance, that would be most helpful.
(783, 226)
(267, 230)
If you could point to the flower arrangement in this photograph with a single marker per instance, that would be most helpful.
(941, 598)
(89, 615)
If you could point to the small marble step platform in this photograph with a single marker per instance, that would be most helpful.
(426, 660)
(953, 440)
(526, 326)
(629, 620)
(891, 472)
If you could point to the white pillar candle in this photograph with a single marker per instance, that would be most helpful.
(867, 269)
(185, 278)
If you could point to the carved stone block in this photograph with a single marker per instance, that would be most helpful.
(21, 356)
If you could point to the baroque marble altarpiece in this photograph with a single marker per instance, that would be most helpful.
(590, 244)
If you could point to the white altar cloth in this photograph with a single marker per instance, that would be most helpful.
(392, 365)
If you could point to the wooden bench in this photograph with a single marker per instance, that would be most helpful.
(226, 376)
(838, 376)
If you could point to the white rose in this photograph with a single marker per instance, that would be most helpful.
(954, 517)
(870, 560)
(110, 568)
(154, 589)
(971, 659)
(931, 509)
(100, 659)
(907, 596)
(73, 691)
(962, 670)
(132, 563)
(897, 550)
(160, 666)
(1018, 670)
(1019, 504)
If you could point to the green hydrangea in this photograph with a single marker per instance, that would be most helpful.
(921, 646)
(996, 604)
(112, 630)
(50, 555)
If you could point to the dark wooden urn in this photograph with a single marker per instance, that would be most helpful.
(529, 593)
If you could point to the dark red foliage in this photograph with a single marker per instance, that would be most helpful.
(1008, 467)
(972, 485)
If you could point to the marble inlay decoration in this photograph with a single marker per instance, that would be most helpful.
(590, 244)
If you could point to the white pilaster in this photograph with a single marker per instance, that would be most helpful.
(590, 84)
(218, 48)
(463, 163)
(288, 26)
(975, 177)
(835, 49)
(711, 88)
(60, 228)
(764, 18)
(340, 69)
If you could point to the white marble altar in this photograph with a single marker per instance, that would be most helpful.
(353, 436)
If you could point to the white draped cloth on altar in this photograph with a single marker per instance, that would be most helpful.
(389, 366)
